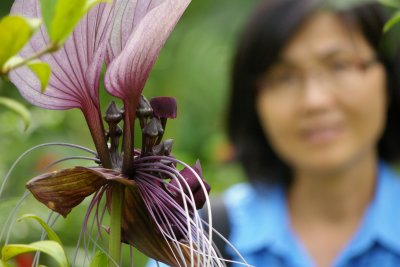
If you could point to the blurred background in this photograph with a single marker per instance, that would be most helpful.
(193, 66)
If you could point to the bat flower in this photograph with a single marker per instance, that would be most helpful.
(158, 194)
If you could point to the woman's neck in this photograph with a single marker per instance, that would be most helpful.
(326, 210)
(336, 197)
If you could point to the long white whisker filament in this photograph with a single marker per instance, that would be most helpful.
(71, 158)
(231, 246)
(11, 217)
(34, 148)
(147, 164)
(167, 170)
(151, 211)
(186, 214)
(43, 235)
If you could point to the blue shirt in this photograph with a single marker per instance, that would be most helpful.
(261, 231)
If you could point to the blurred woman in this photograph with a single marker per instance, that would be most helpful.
(314, 118)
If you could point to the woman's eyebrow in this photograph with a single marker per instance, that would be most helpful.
(323, 55)
(335, 51)
(284, 62)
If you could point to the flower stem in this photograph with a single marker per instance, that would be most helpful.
(114, 245)
(128, 139)
(48, 49)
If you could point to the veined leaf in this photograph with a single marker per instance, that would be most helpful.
(63, 190)
(99, 260)
(15, 31)
(50, 232)
(73, 63)
(66, 15)
(17, 108)
(52, 248)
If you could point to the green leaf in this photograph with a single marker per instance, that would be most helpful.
(391, 22)
(390, 3)
(15, 31)
(42, 71)
(50, 232)
(67, 14)
(49, 247)
(48, 8)
(345, 4)
(17, 108)
(99, 260)
(4, 264)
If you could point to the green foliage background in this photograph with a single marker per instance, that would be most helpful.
(193, 67)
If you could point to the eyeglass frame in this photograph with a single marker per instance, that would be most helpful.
(358, 67)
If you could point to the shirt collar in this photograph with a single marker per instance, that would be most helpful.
(259, 218)
(381, 221)
(385, 210)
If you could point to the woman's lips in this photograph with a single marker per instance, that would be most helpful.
(321, 135)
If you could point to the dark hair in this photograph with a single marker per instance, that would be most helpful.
(265, 34)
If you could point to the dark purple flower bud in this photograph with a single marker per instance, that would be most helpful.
(164, 107)
(163, 149)
(144, 108)
(153, 128)
(113, 115)
(168, 145)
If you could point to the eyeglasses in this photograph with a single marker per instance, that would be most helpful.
(337, 73)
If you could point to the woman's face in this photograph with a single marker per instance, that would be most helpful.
(323, 104)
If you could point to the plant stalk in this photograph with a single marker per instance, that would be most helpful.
(48, 49)
(114, 245)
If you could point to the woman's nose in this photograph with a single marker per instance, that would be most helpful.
(316, 93)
